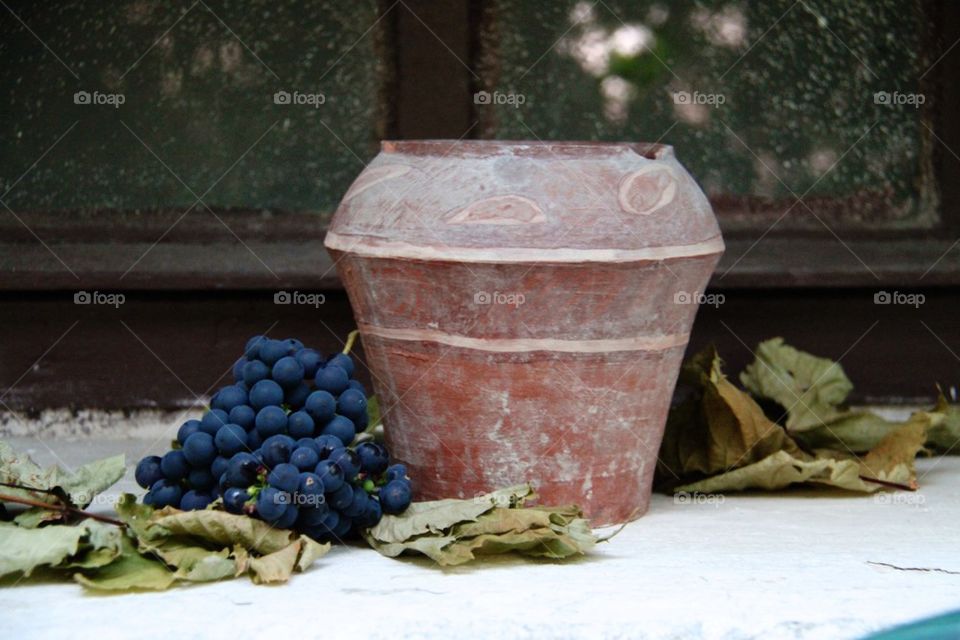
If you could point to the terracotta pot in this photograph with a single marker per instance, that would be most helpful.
(524, 309)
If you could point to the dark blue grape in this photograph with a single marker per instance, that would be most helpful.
(195, 500)
(272, 350)
(340, 427)
(201, 480)
(300, 425)
(321, 405)
(272, 503)
(293, 345)
(288, 372)
(230, 397)
(254, 440)
(271, 421)
(288, 518)
(356, 384)
(174, 465)
(342, 497)
(238, 369)
(277, 450)
(373, 458)
(348, 461)
(310, 489)
(285, 477)
(212, 421)
(361, 422)
(165, 493)
(199, 449)
(371, 515)
(304, 458)
(148, 471)
(351, 404)
(297, 396)
(358, 504)
(265, 393)
(327, 444)
(330, 474)
(242, 470)
(396, 472)
(343, 361)
(309, 443)
(323, 530)
(255, 371)
(186, 430)
(230, 439)
(234, 499)
(310, 517)
(395, 496)
(219, 465)
(243, 415)
(332, 379)
(343, 527)
(252, 348)
(310, 360)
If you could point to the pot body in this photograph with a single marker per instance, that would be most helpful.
(524, 309)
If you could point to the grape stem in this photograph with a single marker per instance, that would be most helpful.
(65, 509)
(351, 338)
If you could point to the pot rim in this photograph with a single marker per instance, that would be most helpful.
(443, 147)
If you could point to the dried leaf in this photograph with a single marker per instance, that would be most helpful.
(275, 567)
(808, 387)
(211, 545)
(89, 544)
(131, 571)
(453, 532)
(718, 427)
(79, 487)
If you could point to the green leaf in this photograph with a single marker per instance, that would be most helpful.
(373, 411)
(808, 387)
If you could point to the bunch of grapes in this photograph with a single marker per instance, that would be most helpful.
(278, 445)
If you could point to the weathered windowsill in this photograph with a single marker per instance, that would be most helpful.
(799, 564)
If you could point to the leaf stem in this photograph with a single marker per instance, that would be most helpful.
(60, 507)
(351, 338)
(892, 485)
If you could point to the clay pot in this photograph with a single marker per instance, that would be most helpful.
(524, 309)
